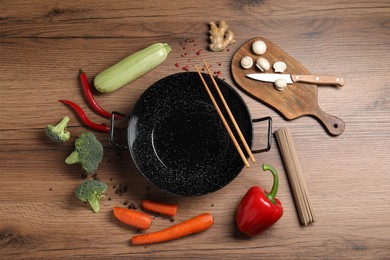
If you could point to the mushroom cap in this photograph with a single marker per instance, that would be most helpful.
(259, 47)
(263, 64)
(280, 84)
(246, 62)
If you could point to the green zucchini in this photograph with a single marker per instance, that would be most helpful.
(131, 67)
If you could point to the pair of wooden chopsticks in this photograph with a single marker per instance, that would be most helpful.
(225, 123)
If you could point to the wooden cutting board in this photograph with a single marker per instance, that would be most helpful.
(296, 100)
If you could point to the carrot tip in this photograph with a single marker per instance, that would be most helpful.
(133, 218)
(159, 207)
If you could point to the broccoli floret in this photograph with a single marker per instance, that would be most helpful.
(91, 191)
(58, 133)
(88, 152)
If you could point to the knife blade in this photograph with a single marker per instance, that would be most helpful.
(312, 79)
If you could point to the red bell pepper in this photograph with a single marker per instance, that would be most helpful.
(259, 210)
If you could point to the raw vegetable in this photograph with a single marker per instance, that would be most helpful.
(259, 210)
(191, 226)
(280, 84)
(263, 64)
(247, 62)
(84, 118)
(131, 67)
(91, 191)
(133, 218)
(219, 36)
(259, 47)
(88, 152)
(280, 66)
(89, 96)
(159, 207)
(58, 133)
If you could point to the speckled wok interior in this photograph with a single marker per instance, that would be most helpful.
(177, 140)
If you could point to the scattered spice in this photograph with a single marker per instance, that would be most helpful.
(121, 189)
(191, 56)
(132, 206)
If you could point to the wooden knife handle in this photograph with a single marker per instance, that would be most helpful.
(319, 79)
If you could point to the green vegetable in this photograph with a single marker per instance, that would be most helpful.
(131, 67)
(91, 191)
(58, 133)
(88, 152)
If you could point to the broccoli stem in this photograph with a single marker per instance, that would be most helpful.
(94, 205)
(62, 124)
(72, 158)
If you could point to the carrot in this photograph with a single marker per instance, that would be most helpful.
(159, 207)
(133, 218)
(191, 226)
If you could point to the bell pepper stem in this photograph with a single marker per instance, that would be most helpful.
(272, 195)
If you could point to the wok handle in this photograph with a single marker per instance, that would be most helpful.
(112, 129)
(269, 141)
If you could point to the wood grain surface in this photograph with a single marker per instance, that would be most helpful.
(44, 43)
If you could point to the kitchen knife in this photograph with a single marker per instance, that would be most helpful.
(312, 79)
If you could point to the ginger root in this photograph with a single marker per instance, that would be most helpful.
(219, 36)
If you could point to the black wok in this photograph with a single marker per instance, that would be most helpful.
(177, 140)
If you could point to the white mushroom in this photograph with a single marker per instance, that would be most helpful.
(280, 84)
(259, 47)
(263, 64)
(246, 62)
(280, 66)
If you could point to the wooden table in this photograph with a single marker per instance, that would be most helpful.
(44, 43)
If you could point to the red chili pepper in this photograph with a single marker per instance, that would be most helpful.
(84, 118)
(259, 210)
(89, 96)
